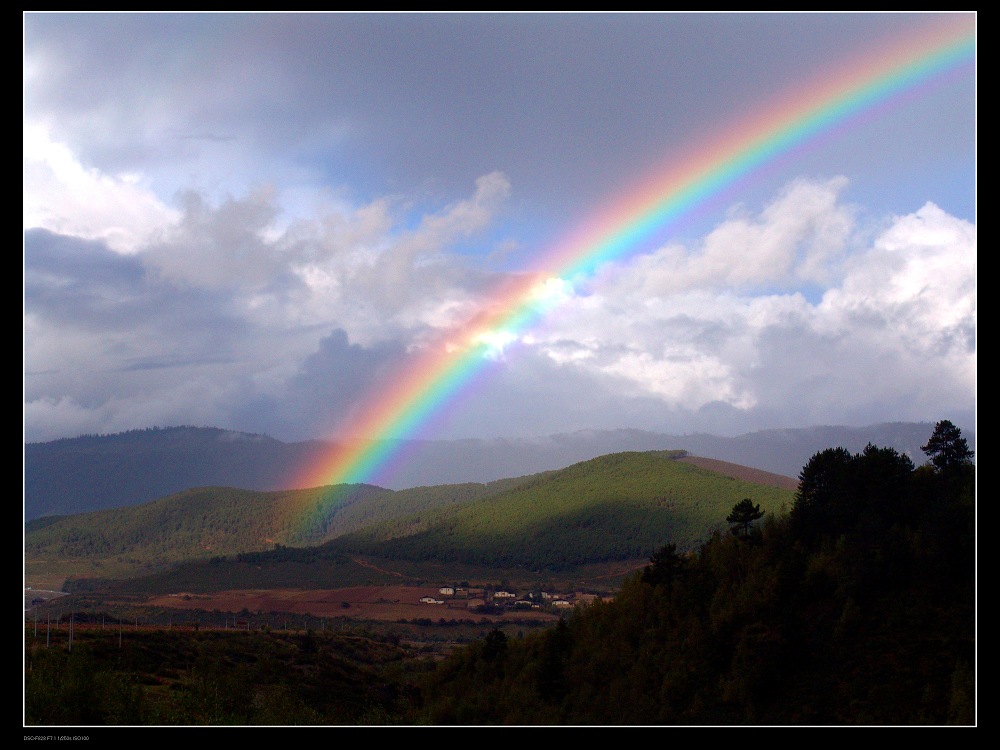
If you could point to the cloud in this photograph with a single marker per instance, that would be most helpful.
(62, 195)
(799, 237)
(360, 267)
(918, 281)
(380, 279)
(329, 388)
(568, 106)
(246, 219)
(234, 312)
(220, 246)
(729, 322)
(227, 309)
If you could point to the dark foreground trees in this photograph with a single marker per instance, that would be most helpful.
(213, 678)
(858, 608)
(838, 491)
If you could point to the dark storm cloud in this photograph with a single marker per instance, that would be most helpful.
(396, 101)
(330, 384)
(83, 285)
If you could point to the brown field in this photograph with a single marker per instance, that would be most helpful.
(745, 473)
(390, 603)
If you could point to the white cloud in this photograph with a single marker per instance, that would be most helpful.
(798, 238)
(357, 268)
(680, 377)
(919, 278)
(897, 322)
(378, 279)
(233, 328)
(62, 195)
(795, 239)
(224, 307)
(221, 246)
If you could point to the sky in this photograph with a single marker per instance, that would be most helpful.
(260, 222)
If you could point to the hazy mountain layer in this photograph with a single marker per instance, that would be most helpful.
(94, 472)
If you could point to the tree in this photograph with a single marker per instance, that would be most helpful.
(947, 448)
(881, 485)
(494, 645)
(664, 566)
(824, 491)
(743, 515)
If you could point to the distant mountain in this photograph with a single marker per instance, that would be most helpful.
(787, 451)
(778, 451)
(94, 472)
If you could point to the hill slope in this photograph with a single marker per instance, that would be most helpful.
(616, 507)
(209, 522)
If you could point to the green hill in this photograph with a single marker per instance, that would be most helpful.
(209, 522)
(616, 507)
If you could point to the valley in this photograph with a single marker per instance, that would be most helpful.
(629, 588)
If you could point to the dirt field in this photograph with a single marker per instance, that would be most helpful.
(390, 603)
(746, 473)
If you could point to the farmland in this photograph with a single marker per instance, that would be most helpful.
(381, 603)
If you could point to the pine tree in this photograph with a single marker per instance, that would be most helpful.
(742, 517)
(947, 448)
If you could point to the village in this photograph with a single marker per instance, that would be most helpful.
(496, 601)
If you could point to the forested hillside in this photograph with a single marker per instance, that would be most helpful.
(211, 522)
(611, 508)
(857, 608)
(615, 507)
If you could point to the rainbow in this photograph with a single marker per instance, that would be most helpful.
(944, 46)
